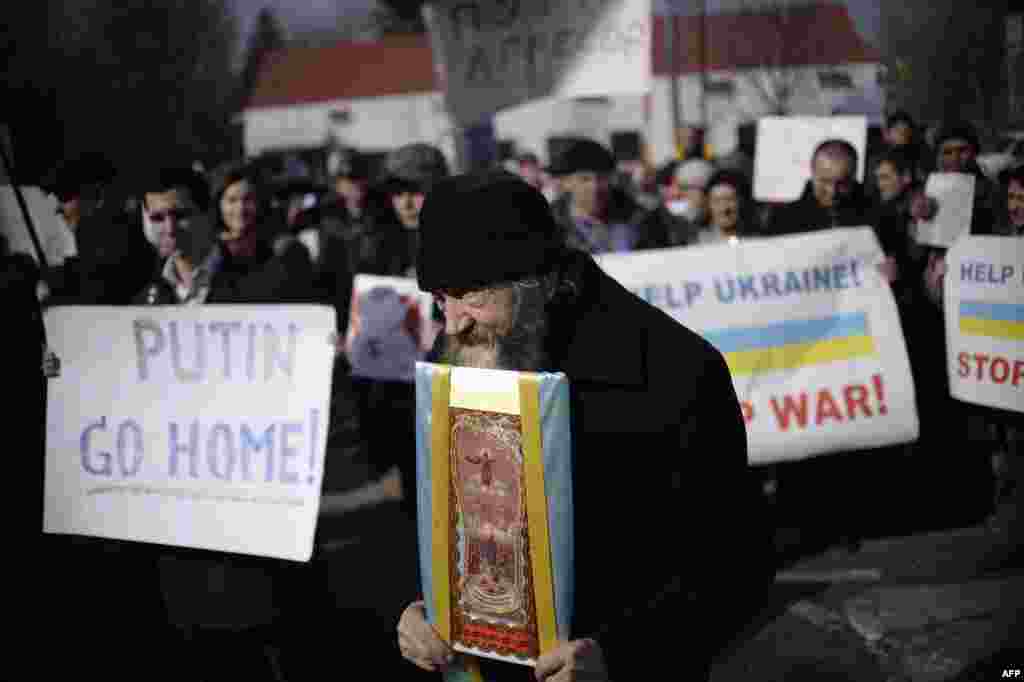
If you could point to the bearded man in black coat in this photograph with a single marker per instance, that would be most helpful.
(671, 557)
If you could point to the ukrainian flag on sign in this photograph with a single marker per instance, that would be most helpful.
(997, 320)
(794, 343)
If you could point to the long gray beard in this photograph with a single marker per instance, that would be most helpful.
(516, 352)
(522, 349)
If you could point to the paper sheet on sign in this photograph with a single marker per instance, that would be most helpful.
(954, 193)
(785, 145)
(390, 327)
(494, 54)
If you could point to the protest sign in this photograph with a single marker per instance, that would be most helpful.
(390, 327)
(954, 194)
(493, 54)
(189, 426)
(808, 327)
(785, 144)
(984, 305)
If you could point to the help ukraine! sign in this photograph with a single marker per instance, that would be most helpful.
(808, 327)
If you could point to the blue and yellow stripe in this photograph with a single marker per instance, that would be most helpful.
(997, 320)
(794, 343)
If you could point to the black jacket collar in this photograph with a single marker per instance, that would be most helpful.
(599, 337)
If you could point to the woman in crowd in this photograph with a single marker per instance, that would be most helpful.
(267, 261)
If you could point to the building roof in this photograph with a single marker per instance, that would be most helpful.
(813, 34)
(349, 70)
(816, 34)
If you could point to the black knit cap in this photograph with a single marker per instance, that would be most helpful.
(958, 130)
(582, 155)
(484, 228)
(72, 174)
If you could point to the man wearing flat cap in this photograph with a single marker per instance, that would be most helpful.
(594, 215)
(659, 444)
(389, 246)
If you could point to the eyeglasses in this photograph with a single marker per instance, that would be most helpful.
(474, 298)
(176, 213)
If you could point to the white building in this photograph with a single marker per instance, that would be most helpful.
(371, 96)
(802, 60)
(730, 69)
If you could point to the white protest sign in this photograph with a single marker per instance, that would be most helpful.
(390, 327)
(954, 194)
(56, 240)
(984, 306)
(785, 144)
(190, 426)
(808, 327)
(493, 54)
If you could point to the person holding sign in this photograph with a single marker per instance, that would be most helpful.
(1009, 427)
(946, 423)
(832, 196)
(657, 435)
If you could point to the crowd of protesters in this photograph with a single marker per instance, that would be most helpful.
(180, 236)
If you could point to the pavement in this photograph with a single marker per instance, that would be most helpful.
(940, 605)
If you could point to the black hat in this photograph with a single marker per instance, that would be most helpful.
(897, 117)
(72, 174)
(173, 177)
(960, 130)
(415, 166)
(348, 163)
(480, 229)
(580, 155)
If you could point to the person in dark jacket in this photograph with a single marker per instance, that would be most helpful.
(946, 423)
(257, 250)
(831, 198)
(893, 180)
(110, 263)
(388, 407)
(901, 136)
(732, 214)
(658, 439)
(231, 607)
(683, 211)
(1011, 222)
(594, 215)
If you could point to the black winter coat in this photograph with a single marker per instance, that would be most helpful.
(264, 278)
(807, 215)
(672, 556)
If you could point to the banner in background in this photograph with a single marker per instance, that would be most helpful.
(808, 327)
(494, 54)
(197, 427)
(984, 304)
(785, 144)
(56, 240)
